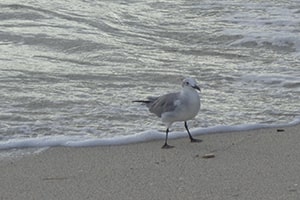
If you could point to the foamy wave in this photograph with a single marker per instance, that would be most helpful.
(274, 26)
(276, 40)
(88, 141)
(273, 79)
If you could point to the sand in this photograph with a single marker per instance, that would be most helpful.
(260, 164)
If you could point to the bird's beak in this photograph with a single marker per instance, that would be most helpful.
(197, 87)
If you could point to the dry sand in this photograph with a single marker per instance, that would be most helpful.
(260, 164)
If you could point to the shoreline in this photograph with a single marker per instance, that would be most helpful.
(142, 137)
(256, 164)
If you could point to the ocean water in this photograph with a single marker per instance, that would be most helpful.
(69, 70)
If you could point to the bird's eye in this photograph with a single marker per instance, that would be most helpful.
(187, 83)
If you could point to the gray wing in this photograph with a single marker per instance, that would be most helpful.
(163, 103)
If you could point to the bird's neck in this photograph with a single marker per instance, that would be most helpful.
(188, 90)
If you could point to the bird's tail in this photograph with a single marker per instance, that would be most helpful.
(148, 102)
(142, 101)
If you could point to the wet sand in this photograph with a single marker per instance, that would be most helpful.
(259, 164)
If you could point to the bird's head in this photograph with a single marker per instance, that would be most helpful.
(190, 82)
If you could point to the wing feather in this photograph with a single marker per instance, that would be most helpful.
(164, 103)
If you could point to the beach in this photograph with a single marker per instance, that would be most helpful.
(257, 164)
(72, 71)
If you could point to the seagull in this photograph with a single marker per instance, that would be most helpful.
(176, 107)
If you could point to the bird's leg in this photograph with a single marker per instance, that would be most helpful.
(191, 138)
(166, 146)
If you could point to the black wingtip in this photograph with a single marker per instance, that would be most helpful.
(141, 101)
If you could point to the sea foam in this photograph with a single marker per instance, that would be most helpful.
(150, 135)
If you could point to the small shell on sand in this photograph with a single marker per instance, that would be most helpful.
(209, 155)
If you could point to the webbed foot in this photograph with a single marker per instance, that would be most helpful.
(166, 146)
(193, 140)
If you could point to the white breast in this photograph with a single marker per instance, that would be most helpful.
(187, 107)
